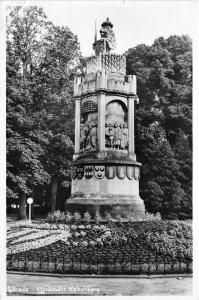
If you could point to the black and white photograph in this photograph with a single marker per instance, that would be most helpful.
(99, 99)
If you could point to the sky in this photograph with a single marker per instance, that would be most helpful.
(135, 22)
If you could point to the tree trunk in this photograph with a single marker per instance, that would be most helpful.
(54, 194)
(22, 208)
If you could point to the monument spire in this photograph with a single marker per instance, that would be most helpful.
(106, 174)
(95, 39)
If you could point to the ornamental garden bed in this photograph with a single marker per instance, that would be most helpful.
(149, 247)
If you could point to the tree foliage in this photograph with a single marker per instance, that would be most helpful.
(164, 123)
(41, 59)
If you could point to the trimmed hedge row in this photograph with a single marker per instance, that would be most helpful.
(68, 218)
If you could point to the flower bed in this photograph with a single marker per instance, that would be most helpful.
(32, 236)
(149, 245)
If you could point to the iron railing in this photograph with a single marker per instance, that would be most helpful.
(59, 258)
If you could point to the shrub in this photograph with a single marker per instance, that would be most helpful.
(87, 217)
(56, 217)
(77, 217)
(62, 217)
(50, 218)
(149, 216)
(130, 219)
(69, 217)
(97, 217)
(158, 216)
(119, 219)
(108, 217)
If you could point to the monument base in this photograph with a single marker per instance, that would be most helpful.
(120, 205)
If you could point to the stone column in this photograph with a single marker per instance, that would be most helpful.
(77, 125)
(101, 122)
(131, 148)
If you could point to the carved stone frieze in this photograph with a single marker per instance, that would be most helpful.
(106, 91)
(121, 172)
(80, 172)
(137, 173)
(88, 106)
(114, 63)
(92, 98)
(99, 172)
(88, 171)
(92, 65)
(110, 171)
(130, 172)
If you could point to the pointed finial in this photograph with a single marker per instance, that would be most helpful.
(107, 23)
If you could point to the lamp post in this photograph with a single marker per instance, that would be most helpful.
(30, 201)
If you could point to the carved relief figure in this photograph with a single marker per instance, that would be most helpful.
(93, 136)
(122, 142)
(111, 135)
(107, 135)
(116, 136)
(116, 116)
(107, 41)
(83, 136)
(120, 135)
(88, 136)
(125, 136)
(108, 35)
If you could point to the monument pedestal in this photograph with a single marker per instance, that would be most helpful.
(120, 205)
(134, 210)
(105, 171)
(107, 186)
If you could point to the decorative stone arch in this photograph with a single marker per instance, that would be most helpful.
(121, 99)
(116, 125)
(116, 110)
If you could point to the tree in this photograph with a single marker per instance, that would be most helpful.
(24, 143)
(61, 57)
(159, 186)
(183, 154)
(164, 73)
(40, 64)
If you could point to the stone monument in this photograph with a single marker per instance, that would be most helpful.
(105, 171)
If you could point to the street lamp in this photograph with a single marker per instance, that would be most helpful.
(30, 201)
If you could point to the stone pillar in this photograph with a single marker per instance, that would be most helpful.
(131, 148)
(77, 125)
(101, 122)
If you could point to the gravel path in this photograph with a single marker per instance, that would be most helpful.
(49, 285)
